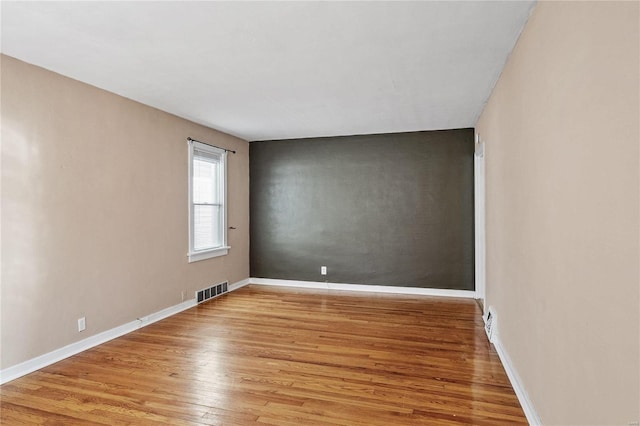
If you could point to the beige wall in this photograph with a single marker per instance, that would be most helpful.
(562, 142)
(94, 211)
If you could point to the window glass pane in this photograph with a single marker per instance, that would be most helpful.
(206, 227)
(205, 181)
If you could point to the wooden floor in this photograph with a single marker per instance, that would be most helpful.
(283, 357)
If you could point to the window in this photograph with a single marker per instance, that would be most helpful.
(207, 202)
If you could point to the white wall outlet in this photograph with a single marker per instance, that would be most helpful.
(182, 295)
(323, 270)
(82, 324)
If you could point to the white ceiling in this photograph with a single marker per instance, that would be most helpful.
(277, 70)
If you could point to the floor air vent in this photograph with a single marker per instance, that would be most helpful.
(211, 292)
(490, 324)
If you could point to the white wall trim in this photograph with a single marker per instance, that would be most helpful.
(167, 312)
(479, 216)
(33, 364)
(516, 383)
(11, 373)
(239, 284)
(29, 366)
(363, 287)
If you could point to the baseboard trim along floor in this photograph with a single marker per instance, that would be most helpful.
(469, 294)
(29, 366)
(516, 384)
(269, 354)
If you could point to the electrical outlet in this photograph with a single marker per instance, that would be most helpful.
(82, 324)
(182, 295)
(323, 270)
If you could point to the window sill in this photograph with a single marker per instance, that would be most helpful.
(208, 254)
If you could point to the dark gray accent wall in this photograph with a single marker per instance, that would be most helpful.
(390, 209)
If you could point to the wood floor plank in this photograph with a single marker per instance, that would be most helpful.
(282, 356)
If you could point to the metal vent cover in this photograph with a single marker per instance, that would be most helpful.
(211, 292)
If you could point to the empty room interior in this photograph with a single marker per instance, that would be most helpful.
(332, 213)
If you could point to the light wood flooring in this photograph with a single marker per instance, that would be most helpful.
(282, 356)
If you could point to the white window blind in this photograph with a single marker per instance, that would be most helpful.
(207, 201)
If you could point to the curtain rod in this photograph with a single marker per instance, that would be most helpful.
(219, 147)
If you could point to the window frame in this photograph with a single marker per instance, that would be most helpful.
(197, 255)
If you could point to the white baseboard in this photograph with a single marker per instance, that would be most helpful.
(165, 313)
(29, 366)
(239, 284)
(363, 287)
(527, 406)
(516, 383)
